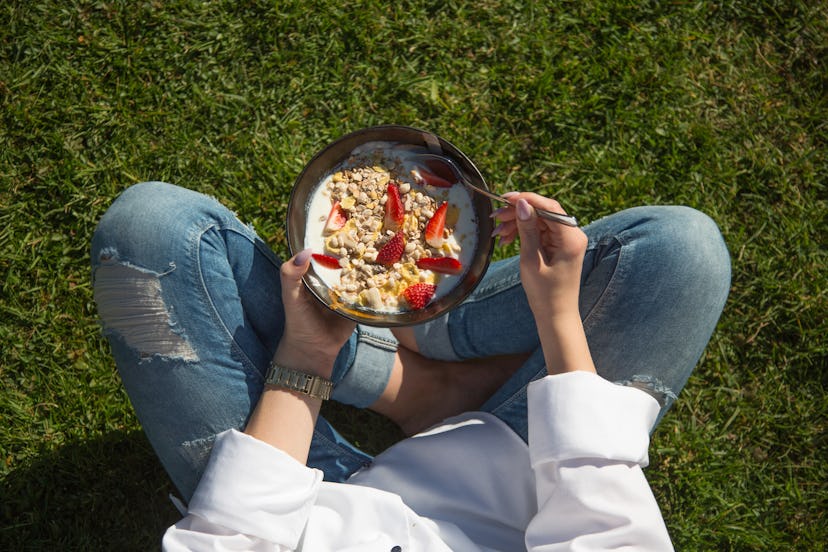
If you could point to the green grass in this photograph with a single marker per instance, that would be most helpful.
(604, 105)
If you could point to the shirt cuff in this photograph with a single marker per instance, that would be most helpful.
(253, 488)
(579, 415)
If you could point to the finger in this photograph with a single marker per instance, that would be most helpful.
(511, 197)
(506, 240)
(537, 201)
(527, 226)
(507, 212)
(504, 227)
(508, 233)
(540, 202)
(291, 273)
(296, 266)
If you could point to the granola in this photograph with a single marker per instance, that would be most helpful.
(383, 238)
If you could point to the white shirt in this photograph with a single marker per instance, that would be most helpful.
(468, 484)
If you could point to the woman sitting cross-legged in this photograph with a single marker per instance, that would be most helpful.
(529, 406)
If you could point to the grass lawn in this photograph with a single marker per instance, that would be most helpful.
(718, 105)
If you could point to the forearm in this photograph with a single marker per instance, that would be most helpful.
(283, 418)
(564, 342)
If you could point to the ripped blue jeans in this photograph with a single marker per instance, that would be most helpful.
(189, 299)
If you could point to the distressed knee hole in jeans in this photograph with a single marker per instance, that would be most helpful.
(652, 386)
(132, 307)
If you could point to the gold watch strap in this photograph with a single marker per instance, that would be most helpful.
(314, 386)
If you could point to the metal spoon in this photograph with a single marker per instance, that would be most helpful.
(561, 218)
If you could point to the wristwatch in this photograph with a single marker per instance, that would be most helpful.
(314, 386)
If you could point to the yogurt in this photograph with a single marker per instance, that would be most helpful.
(356, 244)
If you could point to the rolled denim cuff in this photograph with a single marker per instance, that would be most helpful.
(364, 366)
(433, 340)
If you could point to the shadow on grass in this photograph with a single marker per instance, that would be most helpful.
(111, 493)
(367, 430)
(108, 493)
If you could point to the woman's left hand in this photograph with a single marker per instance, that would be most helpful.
(313, 334)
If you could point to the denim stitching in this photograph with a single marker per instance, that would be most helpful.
(609, 290)
(380, 342)
(199, 229)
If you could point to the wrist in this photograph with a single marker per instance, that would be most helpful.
(315, 363)
(315, 387)
(563, 317)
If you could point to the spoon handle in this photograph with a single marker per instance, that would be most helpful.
(568, 220)
(561, 218)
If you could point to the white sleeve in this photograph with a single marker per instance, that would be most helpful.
(252, 496)
(588, 441)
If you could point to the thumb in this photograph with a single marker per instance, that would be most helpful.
(292, 271)
(527, 225)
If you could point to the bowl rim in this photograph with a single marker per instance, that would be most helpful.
(482, 258)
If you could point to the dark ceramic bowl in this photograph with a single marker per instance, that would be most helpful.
(329, 158)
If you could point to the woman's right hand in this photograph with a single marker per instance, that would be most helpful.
(551, 254)
(551, 259)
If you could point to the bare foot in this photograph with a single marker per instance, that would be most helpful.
(405, 337)
(422, 392)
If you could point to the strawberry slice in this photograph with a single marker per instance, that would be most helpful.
(443, 265)
(326, 260)
(435, 226)
(419, 295)
(394, 209)
(336, 219)
(423, 176)
(392, 251)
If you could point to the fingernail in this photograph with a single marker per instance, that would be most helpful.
(497, 229)
(507, 195)
(497, 212)
(524, 210)
(302, 257)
